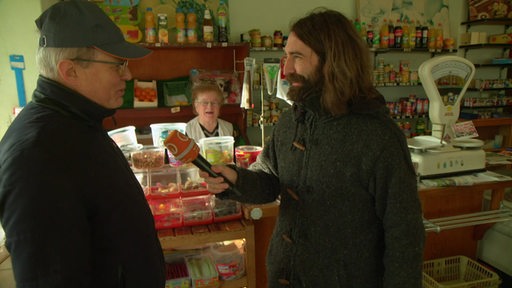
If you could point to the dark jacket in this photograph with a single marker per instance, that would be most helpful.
(350, 214)
(73, 211)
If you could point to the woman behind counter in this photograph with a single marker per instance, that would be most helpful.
(207, 98)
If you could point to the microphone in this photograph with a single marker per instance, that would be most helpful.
(186, 150)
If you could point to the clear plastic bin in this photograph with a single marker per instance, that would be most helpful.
(226, 210)
(167, 212)
(197, 210)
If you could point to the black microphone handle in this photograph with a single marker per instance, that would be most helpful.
(204, 165)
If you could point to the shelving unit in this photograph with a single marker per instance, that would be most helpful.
(488, 128)
(174, 61)
(179, 238)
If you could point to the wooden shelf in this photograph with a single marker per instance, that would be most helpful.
(489, 21)
(492, 122)
(485, 45)
(187, 237)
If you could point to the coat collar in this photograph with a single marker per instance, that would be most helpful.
(59, 97)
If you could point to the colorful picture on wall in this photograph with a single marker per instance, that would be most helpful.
(424, 12)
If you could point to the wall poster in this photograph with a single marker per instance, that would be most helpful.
(426, 12)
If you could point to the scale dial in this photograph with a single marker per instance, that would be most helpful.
(445, 80)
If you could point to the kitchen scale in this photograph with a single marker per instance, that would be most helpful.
(445, 80)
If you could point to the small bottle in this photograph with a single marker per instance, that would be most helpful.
(431, 39)
(439, 37)
(364, 32)
(222, 21)
(406, 43)
(191, 26)
(207, 26)
(149, 16)
(424, 36)
(384, 35)
(419, 35)
(180, 26)
(399, 33)
(369, 36)
(278, 39)
(412, 35)
(163, 33)
(391, 43)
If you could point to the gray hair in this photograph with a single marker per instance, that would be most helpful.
(48, 58)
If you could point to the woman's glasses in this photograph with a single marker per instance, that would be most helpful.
(206, 103)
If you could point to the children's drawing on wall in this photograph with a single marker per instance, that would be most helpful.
(433, 13)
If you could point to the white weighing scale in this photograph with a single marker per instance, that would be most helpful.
(445, 80)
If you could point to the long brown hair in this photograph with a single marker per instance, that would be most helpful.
(345, 61)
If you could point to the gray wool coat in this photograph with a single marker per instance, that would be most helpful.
(350, 214)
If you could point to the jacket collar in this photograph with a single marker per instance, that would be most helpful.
(59, 97)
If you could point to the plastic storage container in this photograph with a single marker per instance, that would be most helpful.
(167, 212)
(177, 275)
(218, 150)
(160, 131)
(124, 136)
(201, 269)
(190, 182)
(226, 210)
(457, 272)
(164, 181)
(229, 261)
(246, 155)
(197, 210)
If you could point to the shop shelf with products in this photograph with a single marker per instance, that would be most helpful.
(493, 64)
(171, 61)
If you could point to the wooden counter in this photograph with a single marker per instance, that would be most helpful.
(458, 200)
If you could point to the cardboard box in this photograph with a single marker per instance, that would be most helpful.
(471, 38)
(501, 39)
(484, 9)
(145, 94)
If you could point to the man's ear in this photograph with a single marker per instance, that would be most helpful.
(67, 71)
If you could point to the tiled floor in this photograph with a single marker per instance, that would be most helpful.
(6, 277)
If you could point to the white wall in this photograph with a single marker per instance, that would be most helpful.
(18, 33)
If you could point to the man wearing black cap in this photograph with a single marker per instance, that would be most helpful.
(73, 212)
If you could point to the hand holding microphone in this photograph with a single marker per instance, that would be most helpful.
(186, 150)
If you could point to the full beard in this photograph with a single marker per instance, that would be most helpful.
(301, 92)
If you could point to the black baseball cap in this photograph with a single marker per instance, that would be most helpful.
(73, 24)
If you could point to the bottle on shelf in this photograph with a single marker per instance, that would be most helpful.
(364, 32)
(419, 35)
(357, 25)
(180, 26)
(208, 35)
(391, 43)
(406, 43)
(412, 35)
(163, 33)
(222, 21)
(398, 31)
(191, 26)
(439, 37)
(424, 36)
(431, 42)
(369, 36)
(150, 28)
(376, 37)
(384, 34)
